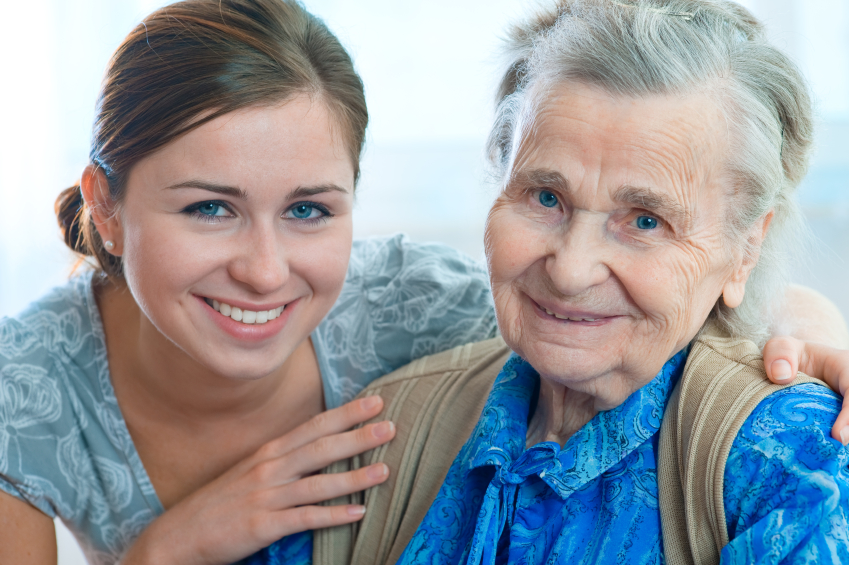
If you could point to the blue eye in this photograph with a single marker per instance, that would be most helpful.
(646, 223)
(547, 199)
(310, 211)
(211, 209)
(303, 211)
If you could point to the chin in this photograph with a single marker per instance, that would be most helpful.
(242, 365)
(242, 373)
(562, 364)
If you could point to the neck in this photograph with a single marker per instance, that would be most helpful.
(562, 411)
(153, 378)
(559, 414)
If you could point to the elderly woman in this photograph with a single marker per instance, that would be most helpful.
(648, 153)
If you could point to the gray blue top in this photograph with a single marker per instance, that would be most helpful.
(64, 445)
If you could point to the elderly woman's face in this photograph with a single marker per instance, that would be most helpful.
(606, 248)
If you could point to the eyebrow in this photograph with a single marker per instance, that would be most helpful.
(306, 191)
(212, 187)
(642, 197)
(541, 178)
(300, 192)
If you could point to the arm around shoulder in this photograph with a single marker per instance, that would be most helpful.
(27, 535)
(807, 315)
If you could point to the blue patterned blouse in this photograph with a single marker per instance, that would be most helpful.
(596, 499)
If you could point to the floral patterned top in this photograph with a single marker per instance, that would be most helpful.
(596, 499)
(64, 445)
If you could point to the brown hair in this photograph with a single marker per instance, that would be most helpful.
(196, 60)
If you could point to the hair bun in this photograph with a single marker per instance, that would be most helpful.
(69, 206)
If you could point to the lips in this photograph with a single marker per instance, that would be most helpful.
(559, 317)
(245, 316)
(573, 315)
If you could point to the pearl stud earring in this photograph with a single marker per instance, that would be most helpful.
(109, 245)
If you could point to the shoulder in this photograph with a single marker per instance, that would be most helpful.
(788, 435)
(50, 336)
(479, 361)
(379, 257)
(806, 409)
(57, 323)
(34, 344)
(44, 355)
(787, 479)
(397, 273)
(401, 301)
(435, 403)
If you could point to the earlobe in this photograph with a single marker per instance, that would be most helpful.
(733, 293)
(735, 289)
(95, 191)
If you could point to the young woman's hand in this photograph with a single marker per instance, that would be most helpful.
(818, 347)
(271, 494)
(785, 356)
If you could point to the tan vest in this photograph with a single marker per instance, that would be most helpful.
(436, 401)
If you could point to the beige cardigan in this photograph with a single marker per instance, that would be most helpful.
(436, 401)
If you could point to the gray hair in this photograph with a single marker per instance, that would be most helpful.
(655, 47)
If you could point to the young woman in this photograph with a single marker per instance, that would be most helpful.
(170, 405)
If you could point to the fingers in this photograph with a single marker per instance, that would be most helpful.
(326, 450)
(840, 430)
(314, 456)
(294, 520)
(834, 366)
(782, 357)
(317, 488)
(327, 423)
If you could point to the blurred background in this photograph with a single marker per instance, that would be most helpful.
(429, 69)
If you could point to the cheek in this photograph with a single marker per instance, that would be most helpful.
(512, 248)
(321, 260)
(676, 286)
(160, 258)
(511, 245)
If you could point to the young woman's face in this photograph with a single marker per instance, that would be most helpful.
(247, 215)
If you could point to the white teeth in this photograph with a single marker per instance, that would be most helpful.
(246, 316)
(559, 317)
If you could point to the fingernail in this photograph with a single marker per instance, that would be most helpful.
(356, 510)
(781, 370)
(384, 429)
(377, 471)
(844, 435)
(369, 402)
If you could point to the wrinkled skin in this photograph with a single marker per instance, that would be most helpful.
(614, 214)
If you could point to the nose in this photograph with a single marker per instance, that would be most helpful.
(576, 259)
(260, 260)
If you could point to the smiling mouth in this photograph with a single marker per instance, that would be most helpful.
(245, 316)
(559, 317)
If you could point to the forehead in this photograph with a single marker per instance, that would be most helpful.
(665, 142)
(292, 142)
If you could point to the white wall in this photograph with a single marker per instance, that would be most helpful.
(428, 68)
